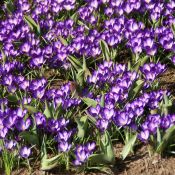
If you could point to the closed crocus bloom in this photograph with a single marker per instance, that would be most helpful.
(122, 119)
(128, 8)
(3, 132)
(165, 122)
(108, 113)
(26, 101)
(102, 124)
(39, 93)
(10, 144)
(91, 146)
(10, 121)
(37, 61)
(7, 80)
(64, 135)
(64, 146)
(22, 124)
(40, 119)
(144, 135)
(25, 47)
(95, 111)
(25, 152)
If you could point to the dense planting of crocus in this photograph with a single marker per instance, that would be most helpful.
(77, 76)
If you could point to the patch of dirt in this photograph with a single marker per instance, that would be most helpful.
(167, 80)
(142, 164)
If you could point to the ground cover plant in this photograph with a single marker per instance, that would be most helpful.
(77, 77)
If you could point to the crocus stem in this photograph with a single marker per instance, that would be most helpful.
(29, 167)
(67, 161)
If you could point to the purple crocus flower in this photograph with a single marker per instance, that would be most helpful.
(22, 124)
(64, 135)
(64, 146)
(10, 121)
(3, 132)
(122, 119)
(144, 135)
(25, 152)
(102, 124)
(91, 146)
(40, 119)
(25, 47)
(108, 113)
(10, 144)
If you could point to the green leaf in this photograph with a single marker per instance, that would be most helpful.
(102, 102)
(31, 109)
(47, 163)
(166, 140)
(107, 155)
(103, 169)
(30, 137)
(32, 24)
(12, 98)
(158, 136)
(105, 50)
(129, 146)
(89, 102)
(91, 118)
(166, 105)
(63, 41)
(135, 89)
(74, 17)
(173, 28)
(75, 62)
(80, 77)
(9, 6)
(140, 63)
(48, 110)
(82, 126)
(108, 147)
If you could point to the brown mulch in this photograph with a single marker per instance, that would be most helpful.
(167, 80)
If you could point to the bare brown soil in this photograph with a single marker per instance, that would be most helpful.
(167, 80)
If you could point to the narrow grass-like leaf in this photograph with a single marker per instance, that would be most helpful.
(82, 124)
(89, 101)
(105, 50)
(166, 140)
(129, 146)
(63, 41)
(30, 109)
(32, 24)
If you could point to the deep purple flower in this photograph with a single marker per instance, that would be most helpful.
(22, 124)
(102, 124)
(10, 121)
(40, 119)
